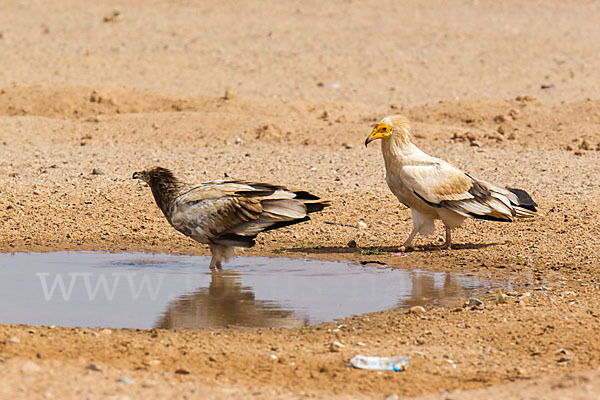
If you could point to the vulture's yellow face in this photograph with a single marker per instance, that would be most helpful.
(381, 131)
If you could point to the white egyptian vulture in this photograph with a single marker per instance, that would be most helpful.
(227, 213)
(434, 189)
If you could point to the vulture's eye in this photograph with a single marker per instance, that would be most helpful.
(384, 129)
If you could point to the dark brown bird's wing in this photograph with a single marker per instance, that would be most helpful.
(234, 212)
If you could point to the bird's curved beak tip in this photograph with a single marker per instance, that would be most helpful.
(135, 176)
(368, 140)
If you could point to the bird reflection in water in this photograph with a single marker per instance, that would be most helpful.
(426, 290)
(226, 303)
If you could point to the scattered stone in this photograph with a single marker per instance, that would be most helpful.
(114, 16)
(585, 145)
(499, 119)
(106, 331)
(361, 344)
(473, 302)
(13, 339)
(336, 346)
(598, 147)
(579, 152)
(335, 85)
(417, 310)
(392, 396)
(352, 244)
(348, 145)
(547, 86)
(229, 95)
(1, 359)
(361, 224)
(476, 143)
(182, 371)
(126, 380)
(569, 147)
(513, 135)
(521, 373)
(97, 171)
(273, 357)
(564, 359)
(93, 367)
(30, 367)
(238, 140)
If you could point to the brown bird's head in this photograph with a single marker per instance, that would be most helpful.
(156, 176)
(393, 125)
(165, 186)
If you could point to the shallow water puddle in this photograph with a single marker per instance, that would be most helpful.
(139, 290)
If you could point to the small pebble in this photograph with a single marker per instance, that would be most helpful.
(182, 371)
(475, 302)
(29, 367)
(238, 140)
(97, 171)
(563, 359)
(392, 396)
(585, 145)
(348, 145)
(336, 347)
(361, 224)
(229, 95)
(93, 367)
(417, 310)
(352, 244)
(513, 136)
(126, 380)
(476, 143)
(13, 339)
(499, 119)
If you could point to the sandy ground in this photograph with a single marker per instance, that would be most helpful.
(286, 92)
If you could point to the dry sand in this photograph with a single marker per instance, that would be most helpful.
(506, 90)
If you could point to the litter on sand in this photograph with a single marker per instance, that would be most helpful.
(396, 363)
(500, 297)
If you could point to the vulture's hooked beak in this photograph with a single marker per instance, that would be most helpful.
(141, 176)
(373, 136)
